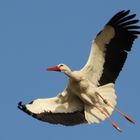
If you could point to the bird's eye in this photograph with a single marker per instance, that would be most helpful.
(61, 65)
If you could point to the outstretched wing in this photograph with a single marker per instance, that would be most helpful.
(110, 48)
(65, 109)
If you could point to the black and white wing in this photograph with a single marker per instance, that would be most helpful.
(65, 109)
(110, 48)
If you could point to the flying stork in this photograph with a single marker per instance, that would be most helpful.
(89, 96)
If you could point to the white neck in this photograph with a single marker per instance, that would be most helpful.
(72, 75)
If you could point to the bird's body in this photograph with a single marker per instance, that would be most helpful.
(89, 96)
(83, 87)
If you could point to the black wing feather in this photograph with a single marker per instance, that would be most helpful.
(126, 18)
(119, 46)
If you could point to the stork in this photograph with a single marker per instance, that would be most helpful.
(89, 96)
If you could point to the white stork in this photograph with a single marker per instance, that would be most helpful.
(89, 96)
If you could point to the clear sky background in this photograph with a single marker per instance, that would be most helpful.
(36, 34)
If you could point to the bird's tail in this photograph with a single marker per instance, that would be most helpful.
(104, 105)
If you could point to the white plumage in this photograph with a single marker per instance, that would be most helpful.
(90, 95)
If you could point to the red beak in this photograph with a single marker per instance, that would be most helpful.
(55, 68)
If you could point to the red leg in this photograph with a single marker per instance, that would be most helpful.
(116, 109)
(107, 116)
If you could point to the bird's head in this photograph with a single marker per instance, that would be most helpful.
(60, 68)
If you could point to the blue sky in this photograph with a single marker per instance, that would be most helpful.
(37, 34)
